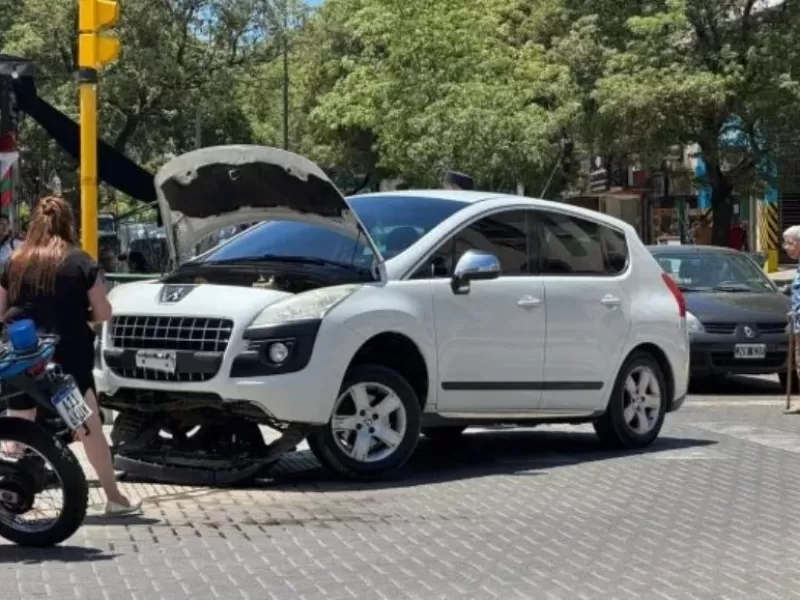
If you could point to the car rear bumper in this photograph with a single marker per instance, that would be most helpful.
(717, 357)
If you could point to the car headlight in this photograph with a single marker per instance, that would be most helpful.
(693, 323)
(308, 306)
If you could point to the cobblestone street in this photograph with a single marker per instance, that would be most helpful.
(710, 511)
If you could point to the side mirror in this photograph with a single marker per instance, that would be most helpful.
(474, 266)
(122, 257)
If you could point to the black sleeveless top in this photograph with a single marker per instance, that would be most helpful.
(65, 311)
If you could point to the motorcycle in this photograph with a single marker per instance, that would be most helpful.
(26, 365)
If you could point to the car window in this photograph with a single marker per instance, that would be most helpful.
(393, 222)
(572, 246)
(703, 271)
(292, 238)
(502, 234)
(615, 250)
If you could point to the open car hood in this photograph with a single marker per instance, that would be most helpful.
(206, 190)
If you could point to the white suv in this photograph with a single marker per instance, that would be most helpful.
(362, 322)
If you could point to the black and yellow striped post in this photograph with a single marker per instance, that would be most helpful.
(769, 237)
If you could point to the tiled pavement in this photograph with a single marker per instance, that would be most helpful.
(711, 511)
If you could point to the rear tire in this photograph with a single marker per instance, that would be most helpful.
(69, 471)
(637, 406)
(351, 443)
(784, 380)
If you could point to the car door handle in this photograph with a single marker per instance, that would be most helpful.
(528, 302)
(610, 301)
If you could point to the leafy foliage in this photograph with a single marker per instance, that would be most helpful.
(379, 88)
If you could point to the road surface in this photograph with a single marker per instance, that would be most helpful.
(712, 510)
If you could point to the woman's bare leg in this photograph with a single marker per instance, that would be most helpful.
(99, 453)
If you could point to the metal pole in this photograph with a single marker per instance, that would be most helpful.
(790, 365)
(198, 130)
(88, 110)
(285, 42)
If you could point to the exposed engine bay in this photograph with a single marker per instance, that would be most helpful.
(264, 276)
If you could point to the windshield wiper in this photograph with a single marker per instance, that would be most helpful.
(733, 287)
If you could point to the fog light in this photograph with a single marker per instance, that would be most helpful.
(278, 352)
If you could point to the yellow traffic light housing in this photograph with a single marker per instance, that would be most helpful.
(94, 48)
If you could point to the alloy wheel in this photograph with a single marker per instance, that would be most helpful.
(369, 422)
(642, 400)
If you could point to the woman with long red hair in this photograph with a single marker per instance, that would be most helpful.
(52, 281)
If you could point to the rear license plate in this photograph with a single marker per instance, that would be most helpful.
(156, 360)
(71, 407)
(751, 351)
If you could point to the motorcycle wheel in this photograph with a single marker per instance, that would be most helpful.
(72, 479)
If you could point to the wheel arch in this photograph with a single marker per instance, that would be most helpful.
(658, 355)
(400, 353)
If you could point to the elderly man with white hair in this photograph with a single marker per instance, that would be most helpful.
(791, 243)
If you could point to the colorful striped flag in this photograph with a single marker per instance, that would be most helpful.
(7, 161)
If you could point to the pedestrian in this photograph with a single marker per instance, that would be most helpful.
(737, 236)
(453, 180)
(52, 281)
(702, 232)
(791, 244)
(8, 243)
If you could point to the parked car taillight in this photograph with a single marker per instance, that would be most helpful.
(676, 292)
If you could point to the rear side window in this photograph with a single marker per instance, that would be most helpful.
(575, 246)
(615, 250)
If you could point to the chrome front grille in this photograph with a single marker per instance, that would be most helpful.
(720, 328)
(730, 328)
(198, 334)
(774, 327)
(192, 334)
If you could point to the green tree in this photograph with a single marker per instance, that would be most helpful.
(414, 88)
(699, 71)
(180, 65)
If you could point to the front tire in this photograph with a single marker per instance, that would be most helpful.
(637, 406)
(374, 426)
(69, 471)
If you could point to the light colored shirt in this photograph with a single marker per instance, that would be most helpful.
(7, 247)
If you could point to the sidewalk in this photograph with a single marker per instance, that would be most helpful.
(785, 274)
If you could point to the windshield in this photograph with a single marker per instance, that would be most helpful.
(727, 272)
(393, 222)
(105, 224)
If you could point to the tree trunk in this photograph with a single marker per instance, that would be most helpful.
(721, 206)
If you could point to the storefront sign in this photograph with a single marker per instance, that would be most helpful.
(598, 176)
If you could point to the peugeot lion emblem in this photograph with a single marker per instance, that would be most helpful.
(174, 293)
(748, 332)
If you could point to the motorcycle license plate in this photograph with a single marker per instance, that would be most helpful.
(71, 407)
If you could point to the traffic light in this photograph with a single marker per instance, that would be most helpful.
(95, 48)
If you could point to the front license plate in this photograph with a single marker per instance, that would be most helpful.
(156, 360)
(752, 351)
(71, 407)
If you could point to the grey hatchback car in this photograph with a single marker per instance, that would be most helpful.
(736, 314)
